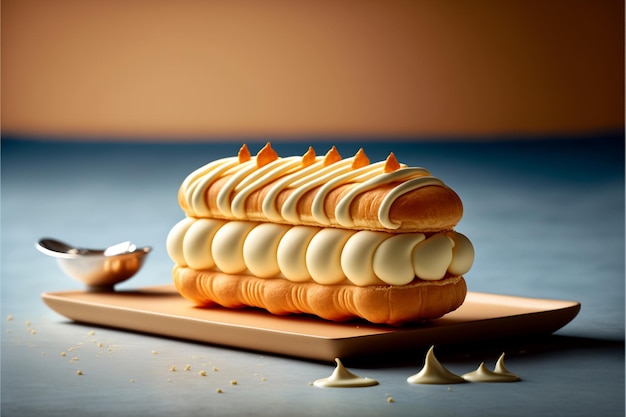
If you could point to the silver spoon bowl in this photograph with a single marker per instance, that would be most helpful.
(98, 269)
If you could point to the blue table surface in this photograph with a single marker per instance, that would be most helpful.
(546, 217)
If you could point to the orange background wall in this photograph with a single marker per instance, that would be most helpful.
(218, 68)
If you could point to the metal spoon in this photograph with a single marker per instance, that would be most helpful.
(99, 269)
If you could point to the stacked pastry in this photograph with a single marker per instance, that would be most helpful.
(339, 238)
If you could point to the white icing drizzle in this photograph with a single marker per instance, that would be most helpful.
(324, 174)
(224, 195)
(317, 254)
(288, 173)
(269, 203)
(258, 179)
(383, 211)
(289, 210)
(361, 174)
(342, 378)
(196, 188)
(342, 211)
(434, 372)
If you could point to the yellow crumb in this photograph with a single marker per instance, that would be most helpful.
(263, 379)
(10, 317)
(100, 344)
(62, 353)
(27, 322)
(154, 352)
(202, 373)
(173, 368)
(214, 369)
(187, 367)
(389, 399)
(219, 390)
(132, 381)
(233, 382)
(91, 333)
(33, 332)
(79, 372)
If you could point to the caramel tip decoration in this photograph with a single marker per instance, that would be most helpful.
(332, 156)
(360, 159)
(243, 154)
(391, 164)
(266, 155)
(308, 158)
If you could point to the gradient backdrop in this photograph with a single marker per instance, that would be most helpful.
(198, 69)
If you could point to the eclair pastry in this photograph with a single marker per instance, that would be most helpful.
(323, 235)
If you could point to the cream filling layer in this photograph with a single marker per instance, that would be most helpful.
(313, 254)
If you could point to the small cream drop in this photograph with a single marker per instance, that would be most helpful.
(342, 378)
(434, 372)
(501, 369)
(482, 374)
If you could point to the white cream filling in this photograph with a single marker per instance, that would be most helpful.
(392, 259)
(197, 243)
(260, 248)
(462, 255)
(324, 255)
(174, 241)
(227, 246)
(291, 253)
(359, 247)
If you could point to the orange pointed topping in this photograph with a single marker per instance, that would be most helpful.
(244, 154)
(360, 159)
(266, 155)
(332, 156)
(391, 164)
(308, 158)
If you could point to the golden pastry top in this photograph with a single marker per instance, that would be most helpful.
(246, 174)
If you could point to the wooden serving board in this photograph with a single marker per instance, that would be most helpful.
(162, 311)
